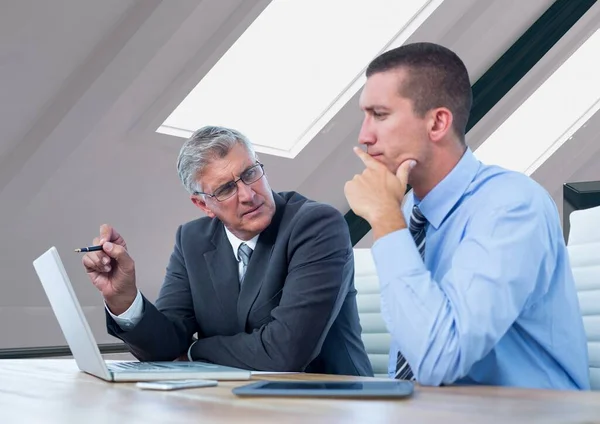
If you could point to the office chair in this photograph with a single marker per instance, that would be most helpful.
(584, 254)
(374, 333)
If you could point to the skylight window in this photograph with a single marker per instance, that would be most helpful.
(294, 68)
(550, 116)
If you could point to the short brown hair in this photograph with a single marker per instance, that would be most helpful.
(437, 77)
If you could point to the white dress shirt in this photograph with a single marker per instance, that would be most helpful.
(235, 245)
(128, 319)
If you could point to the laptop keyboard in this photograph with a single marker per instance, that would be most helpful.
(156, 366)
(136, 366)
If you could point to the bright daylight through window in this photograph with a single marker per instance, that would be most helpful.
(294, 68)
(550, 116)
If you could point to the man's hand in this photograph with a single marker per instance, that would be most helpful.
(183, 357)
(112, 270)
(376, 194)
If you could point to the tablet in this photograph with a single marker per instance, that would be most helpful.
(354, 389)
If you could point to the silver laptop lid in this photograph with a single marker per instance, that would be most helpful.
(68, 312)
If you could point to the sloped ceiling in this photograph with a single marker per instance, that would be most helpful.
(83, 86)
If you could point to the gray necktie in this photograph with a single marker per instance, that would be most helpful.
(244, 252)
(417, 230)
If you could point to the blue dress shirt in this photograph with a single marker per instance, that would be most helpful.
(495, 301)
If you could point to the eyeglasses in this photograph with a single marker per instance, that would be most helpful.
(249, 176)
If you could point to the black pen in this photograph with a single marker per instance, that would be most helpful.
(89, 249)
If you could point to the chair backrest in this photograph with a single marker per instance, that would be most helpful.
(584, 254)
(374, 333)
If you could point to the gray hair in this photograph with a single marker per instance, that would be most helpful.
(206, 144)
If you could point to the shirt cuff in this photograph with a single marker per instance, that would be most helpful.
(129, 319)
(396, 256)
(189, 353)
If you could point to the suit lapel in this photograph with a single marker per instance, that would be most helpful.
(259, 264)
(223, 271)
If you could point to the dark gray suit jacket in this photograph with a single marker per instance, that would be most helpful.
(295, 311)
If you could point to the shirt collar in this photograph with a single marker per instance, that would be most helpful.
(438, 203)
(235, 242)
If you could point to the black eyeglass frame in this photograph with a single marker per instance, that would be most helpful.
(233, 183)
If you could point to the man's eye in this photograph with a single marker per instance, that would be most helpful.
(225, 189)
(250, 173)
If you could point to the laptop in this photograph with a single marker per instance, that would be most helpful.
(74, 325)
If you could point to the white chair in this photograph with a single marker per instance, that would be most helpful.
(584, 254)
(374, 333)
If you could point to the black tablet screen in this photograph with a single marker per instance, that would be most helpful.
(341, 385)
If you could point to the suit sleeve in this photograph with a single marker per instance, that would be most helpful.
(319, 276)
(165, 330)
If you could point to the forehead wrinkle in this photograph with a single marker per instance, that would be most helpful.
(228, 176)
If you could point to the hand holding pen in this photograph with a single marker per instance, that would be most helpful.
(111, 269)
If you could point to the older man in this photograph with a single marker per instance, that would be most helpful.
(265, 280)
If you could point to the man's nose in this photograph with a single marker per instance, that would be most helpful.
(245, 192)
(366, 135)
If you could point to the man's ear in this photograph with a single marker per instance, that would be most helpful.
(199, 201)
(441, 120)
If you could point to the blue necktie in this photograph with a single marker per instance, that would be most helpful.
(416, 227)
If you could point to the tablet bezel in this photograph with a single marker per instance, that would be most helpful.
(396, 389)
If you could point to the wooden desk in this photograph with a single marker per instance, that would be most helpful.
(54, 391)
